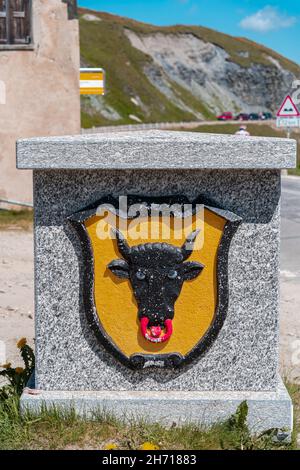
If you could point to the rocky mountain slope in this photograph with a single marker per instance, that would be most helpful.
(178, 73)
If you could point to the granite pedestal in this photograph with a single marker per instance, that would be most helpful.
(239, 174)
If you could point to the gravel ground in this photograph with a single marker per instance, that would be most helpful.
(16, 290)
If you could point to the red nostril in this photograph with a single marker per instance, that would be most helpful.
(155, 331)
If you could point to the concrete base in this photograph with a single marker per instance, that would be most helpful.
(266, 409)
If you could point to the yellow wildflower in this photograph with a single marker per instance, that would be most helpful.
(149, 446)
(6, 366)
(110, 446)
(21, 343)
(19, 370)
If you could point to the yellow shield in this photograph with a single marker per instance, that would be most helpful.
(110, 303)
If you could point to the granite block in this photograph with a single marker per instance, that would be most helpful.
(155, 150)
(245, 355)
(267, 410)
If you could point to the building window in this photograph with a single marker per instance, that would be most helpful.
(15, 22)
(72, 8)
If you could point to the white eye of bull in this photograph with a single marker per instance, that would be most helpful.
(172, 274)
(140, 275)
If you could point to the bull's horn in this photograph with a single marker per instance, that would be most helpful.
(188, 246)
(123, 246)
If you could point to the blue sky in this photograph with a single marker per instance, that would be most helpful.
(275, 24)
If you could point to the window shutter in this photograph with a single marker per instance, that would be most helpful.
(19, 24)
(72, 8)
(3, 19)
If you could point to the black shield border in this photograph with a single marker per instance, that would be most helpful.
(172, 360)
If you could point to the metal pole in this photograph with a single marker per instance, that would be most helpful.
(16, 203)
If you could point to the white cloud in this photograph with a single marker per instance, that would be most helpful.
(193, 9)
(267, 19)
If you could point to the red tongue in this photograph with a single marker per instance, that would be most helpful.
(155, 331)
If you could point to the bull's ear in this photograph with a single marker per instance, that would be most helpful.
(191, 270)
(119, 267)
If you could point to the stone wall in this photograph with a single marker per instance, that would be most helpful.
(42, 90)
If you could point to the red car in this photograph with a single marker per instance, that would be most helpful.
(242, 117)
(227, 116)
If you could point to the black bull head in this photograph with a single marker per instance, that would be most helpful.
(156, 272)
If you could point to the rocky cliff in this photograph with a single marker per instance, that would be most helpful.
(177, 73)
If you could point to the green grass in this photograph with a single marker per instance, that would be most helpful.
(262, 130)
(295, 172)
(294, 391)
(53, 429)
(16, 219)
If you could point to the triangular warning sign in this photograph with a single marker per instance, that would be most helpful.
(288, 108)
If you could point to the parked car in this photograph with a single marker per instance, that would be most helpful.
(227, 116)
(242, 117)
(253, 117)
(265, 116)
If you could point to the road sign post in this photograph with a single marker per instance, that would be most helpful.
(288, 115)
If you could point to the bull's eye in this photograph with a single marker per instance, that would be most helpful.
(140, 275)
(172, 274)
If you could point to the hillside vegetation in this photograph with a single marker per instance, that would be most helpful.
(176, 73)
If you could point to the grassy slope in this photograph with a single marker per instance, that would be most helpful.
(100, 44)
(233, 45)
(20, 220)
(261, 130)
(105, 44)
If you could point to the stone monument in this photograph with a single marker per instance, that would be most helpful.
(170, 321)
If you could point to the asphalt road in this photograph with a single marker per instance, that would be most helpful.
(290, 278)
(290, 228)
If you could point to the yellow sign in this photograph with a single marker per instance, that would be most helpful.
(92, 81)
